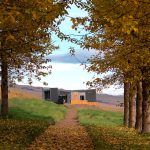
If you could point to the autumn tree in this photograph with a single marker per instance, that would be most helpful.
(126, 104)
(139, 100)
(120, 34)
(25, 40)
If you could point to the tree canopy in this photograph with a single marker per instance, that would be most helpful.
(121, 35)
(25, 29)
(25, 40)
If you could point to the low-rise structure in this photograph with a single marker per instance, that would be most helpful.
(60, 95)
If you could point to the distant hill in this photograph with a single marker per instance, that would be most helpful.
(36, 92)
(111, 99)
(25, 91)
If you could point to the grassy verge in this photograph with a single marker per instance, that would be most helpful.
(36, 110)
(27, 119)
(107, 133)
(97, 117)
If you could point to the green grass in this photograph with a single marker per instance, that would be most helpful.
(36, 110)
(107, 133)
(27, 120)
(97, 117)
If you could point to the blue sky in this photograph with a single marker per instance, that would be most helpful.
(67, 72)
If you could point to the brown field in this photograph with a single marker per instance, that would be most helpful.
(100, 106)
(19, 93)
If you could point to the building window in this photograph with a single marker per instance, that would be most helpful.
(81, 97)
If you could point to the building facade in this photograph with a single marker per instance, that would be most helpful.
(59, 95)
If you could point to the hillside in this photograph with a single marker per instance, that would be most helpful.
(110, 99)
(36, 91)
(25, 91)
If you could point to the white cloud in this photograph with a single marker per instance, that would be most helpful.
(113, 90)
(60, 67)
(71, 77)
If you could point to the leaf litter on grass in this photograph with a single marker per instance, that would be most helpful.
(63, 138)
(118, 138)
(19, 133)
(65, 135)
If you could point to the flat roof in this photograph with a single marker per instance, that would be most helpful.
(80, 90)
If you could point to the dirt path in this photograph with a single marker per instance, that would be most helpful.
(65, 135)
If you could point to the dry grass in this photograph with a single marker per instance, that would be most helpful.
(109, 107)
(18, 93)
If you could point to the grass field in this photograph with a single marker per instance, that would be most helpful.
(97, 117)
(27, 119)
(107, 133)
(36, 110)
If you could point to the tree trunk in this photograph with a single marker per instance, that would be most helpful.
(4, 87)
(146, 106)
(126, 103)
(139, 98)
(132, 106)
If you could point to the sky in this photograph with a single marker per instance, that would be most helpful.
(67, 71)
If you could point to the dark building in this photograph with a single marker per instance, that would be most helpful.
(59, 95)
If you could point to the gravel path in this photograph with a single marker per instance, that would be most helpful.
(65, 135)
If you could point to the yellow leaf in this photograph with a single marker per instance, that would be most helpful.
(10, 37)
(34, 14)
